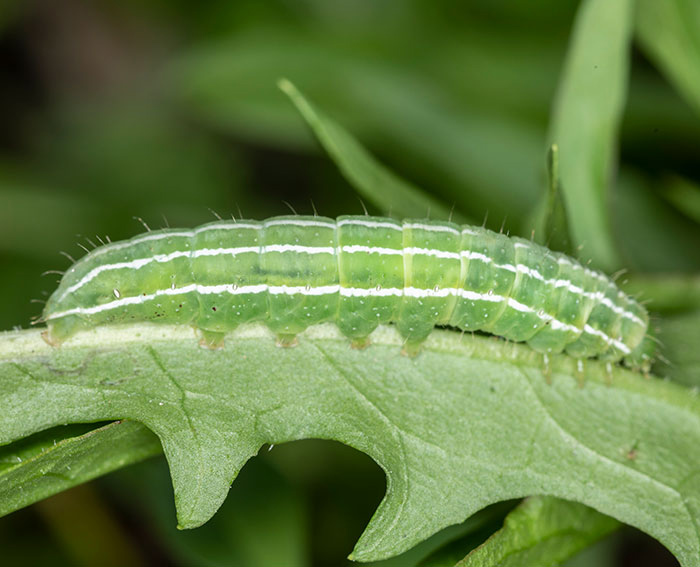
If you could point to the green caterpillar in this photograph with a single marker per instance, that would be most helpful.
(357, 271)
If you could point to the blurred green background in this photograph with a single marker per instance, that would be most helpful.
(167, 110)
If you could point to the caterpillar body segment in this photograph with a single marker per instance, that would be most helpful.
(356, 271)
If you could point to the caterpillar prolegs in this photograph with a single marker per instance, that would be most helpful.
(358, 272)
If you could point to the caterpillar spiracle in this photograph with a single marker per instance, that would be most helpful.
(356, 271)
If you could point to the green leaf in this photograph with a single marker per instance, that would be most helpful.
(542, 531)
(371, 179)
(669, 32)
(585, 122)
(52, 461)
(468, 422)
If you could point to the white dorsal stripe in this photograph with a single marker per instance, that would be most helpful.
(299, 222)
(225, 251)
(378, 291)
(369, 224)
(113, 246)
(228, 226)
(132, 264)
(149, 237)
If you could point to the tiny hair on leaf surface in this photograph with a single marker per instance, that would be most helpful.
(469, 422)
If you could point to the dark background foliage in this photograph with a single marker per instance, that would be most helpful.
(167, 110)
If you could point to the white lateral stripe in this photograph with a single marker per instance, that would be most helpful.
(332, 289)
(355, 248)
(300, 222)
(371, 292)
(471, 255)
(369, 224)
(133, 300)
(474, 296)
(299, 249)
(231, 289)
(608, 340)
(303, 290)
(432, 252)
(556, 283)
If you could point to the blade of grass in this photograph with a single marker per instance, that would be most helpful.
(586, 118)
(669, 32)
(371, 179)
